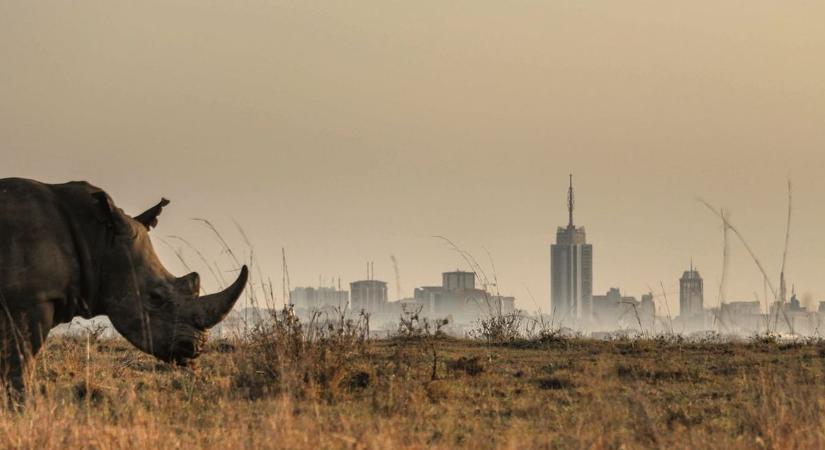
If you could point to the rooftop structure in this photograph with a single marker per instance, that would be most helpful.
(458, 280)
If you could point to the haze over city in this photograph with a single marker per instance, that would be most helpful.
(351, 132)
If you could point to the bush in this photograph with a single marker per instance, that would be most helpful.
(499, 328)
(316, 359)
(412, 326)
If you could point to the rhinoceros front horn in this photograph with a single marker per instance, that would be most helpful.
(211, 309)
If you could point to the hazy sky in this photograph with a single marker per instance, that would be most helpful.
(350, 131)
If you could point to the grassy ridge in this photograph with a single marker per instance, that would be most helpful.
(278, 389)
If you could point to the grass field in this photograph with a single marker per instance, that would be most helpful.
(281, 389)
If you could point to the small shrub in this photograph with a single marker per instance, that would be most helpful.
(412, 326)
(470, 366)
(499, 328)
(554, 383)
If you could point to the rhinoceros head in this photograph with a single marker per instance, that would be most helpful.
(157, 312)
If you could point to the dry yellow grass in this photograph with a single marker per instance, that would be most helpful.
(341, 392)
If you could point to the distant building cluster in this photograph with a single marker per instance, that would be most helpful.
(613, 310)
(457, 299)
(319, 298)
(789, 317)
(573, 304)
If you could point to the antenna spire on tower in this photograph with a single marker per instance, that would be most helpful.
(570, 202)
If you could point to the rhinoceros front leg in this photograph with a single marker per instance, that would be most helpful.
(23, 334)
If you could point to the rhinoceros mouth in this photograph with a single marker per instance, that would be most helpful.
(187, 345)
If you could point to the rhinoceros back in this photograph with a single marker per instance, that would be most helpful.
(38, 261)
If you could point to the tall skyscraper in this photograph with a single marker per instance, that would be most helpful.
(571, 270)
(691, 293)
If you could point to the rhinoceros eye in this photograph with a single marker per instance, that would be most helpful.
(156, 298)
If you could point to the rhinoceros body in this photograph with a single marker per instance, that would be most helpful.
(66, 251)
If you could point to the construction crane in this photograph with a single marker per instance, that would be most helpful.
(287, 294)
(397, 278)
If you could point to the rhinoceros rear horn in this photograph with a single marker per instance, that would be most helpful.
(211, 309)
(149, 218)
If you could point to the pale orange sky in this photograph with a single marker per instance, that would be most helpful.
(349, 131)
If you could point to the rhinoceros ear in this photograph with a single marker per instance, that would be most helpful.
(149, 218)
(112, 215)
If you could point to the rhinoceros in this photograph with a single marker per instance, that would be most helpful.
(66, 251)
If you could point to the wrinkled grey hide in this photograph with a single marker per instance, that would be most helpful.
(66, 250)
